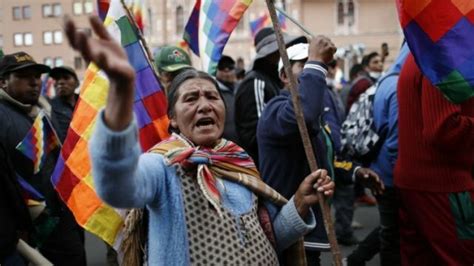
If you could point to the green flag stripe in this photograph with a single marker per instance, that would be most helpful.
(455, 88)
(128, 35)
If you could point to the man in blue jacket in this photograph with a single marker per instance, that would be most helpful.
(385, 120)
(279, 144)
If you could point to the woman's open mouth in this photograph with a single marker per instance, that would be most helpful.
(206, 122)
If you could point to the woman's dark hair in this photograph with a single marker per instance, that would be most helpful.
(366, 59)
(190, 73)
(355, 70)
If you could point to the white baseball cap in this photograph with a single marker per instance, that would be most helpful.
(296, 52)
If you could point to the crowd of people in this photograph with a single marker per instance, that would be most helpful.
(232, 184)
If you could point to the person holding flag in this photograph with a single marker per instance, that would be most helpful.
(26, 141)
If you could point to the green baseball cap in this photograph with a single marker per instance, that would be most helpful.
(171, 59)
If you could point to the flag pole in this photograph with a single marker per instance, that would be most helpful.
(303, 28)
(140, 36)
(336, 253)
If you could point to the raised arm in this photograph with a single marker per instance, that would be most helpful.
(108, 55)
(278, 119)
(122, 176)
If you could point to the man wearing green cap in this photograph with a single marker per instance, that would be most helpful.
(170, 61)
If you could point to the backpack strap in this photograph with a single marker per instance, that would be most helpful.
(386, 76)
(383, 133)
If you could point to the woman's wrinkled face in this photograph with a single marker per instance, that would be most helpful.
(199, 112)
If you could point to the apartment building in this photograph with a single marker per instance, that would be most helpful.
(35, 26)
(355, 26)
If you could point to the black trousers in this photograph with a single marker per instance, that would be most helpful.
(385, 238)
(366, 249)
(389, 227)
(313, 257)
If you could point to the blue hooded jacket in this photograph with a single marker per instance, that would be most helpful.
(386, 119)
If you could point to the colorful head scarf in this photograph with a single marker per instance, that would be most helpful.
(225, 161)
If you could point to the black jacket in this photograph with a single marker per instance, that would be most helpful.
(61, 115)
(15, 124)
(257, 88)
(13, 210)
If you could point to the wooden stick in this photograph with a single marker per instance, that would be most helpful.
(336, 253)
(303, 28)
(31, 254)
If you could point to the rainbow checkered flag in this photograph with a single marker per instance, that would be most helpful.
(266, 21)
(440, 34)
(72, 177)
(39, 141)
(209, 27)
(103, 8)
(135, 6)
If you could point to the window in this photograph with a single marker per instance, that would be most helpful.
(346, 12)
(350, 12)
(78, 62)
(18, 39)
(16, 13)
(58, 61)
(26, 12)
(88, 7)
(340, 12)
(57, 10)
(179, 20)
(58, 37)
(47, 11)
(48, 61)
(77, 8)
(28, 39)
(47, 37)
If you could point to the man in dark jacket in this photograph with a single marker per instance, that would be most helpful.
(65, 84)
(280, 147)
(19, 106)
(15, 221)
(226, 79)
(258, 87)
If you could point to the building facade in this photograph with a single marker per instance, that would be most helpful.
(35, 26)
(355, 26)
